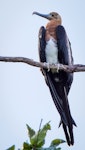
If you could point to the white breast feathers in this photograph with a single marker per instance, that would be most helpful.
(51, 51)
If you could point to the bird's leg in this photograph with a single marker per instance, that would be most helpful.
(48, 66)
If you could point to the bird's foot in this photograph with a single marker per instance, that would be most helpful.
(48, 66)
(58, 68)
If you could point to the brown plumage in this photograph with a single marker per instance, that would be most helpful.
(55, 20)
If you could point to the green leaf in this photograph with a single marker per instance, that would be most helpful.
(35, 141)
(11, 148)
(49, 148)
(39, 138)
(26, 146)
(59, 148)
(46, 127)
(53, 148)
(42, 133)
(31, 132)
(56, 142)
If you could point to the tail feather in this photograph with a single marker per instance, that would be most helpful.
(56, 99)
(60, 99)
(66, 133)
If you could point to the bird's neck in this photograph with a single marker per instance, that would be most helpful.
(50, 29)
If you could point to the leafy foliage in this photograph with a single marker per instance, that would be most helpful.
(37, 139)
(11, 148)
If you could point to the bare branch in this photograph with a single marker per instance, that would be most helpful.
(72, 68)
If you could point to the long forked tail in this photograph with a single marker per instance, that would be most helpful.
(60, 99)
(68, 130)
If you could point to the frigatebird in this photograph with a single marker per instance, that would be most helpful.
(55, 48)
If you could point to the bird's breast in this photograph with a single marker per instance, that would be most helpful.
(51, 29)
(51, 51)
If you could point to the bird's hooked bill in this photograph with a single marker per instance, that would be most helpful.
(47, 16)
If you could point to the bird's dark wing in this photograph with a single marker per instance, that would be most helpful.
(65, 57)
(42, 44)
(64, 54)
(59, 89)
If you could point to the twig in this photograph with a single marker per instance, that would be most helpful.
(71, 68)
(39, 129)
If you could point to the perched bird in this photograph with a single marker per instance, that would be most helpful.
(55, 47)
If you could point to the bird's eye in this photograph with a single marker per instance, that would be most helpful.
(52, 15)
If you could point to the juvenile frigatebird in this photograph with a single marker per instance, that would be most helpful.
(55, 47)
